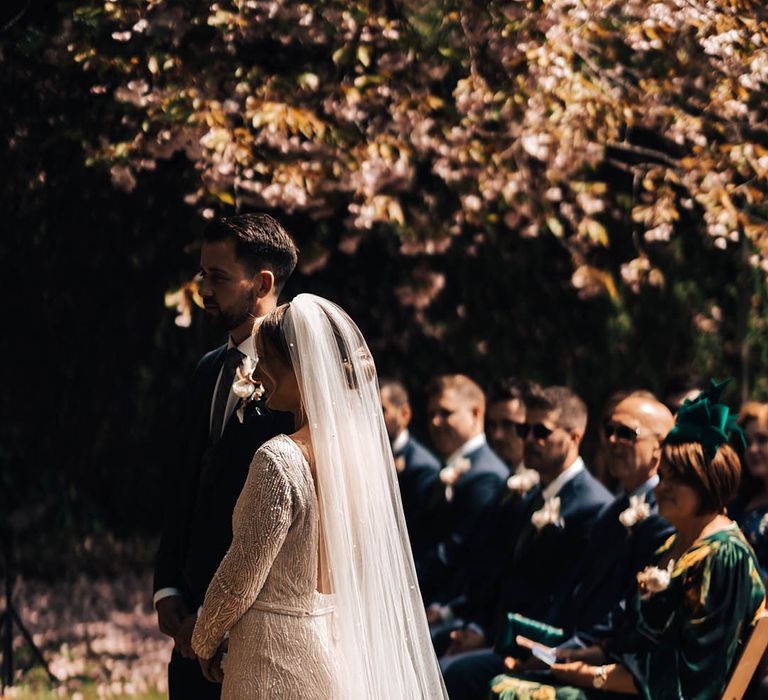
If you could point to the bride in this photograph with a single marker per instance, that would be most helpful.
(318, 591)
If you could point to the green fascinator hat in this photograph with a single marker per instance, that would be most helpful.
(705, 420)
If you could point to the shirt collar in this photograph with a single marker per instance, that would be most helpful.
(246, 347)
(647, 486)
(554, 488)
(468, 447)
(399, 443)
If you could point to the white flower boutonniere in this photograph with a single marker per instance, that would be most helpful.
(548, 514)
(523, 481)
(654, 580)
(763, 525)
(638, 511)
(245, 387)
(450, 475)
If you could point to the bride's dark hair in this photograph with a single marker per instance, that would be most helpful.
(272, 333)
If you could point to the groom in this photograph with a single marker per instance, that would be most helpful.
(244, 263)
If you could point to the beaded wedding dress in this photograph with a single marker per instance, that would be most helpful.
(369, 638)
(264, 594)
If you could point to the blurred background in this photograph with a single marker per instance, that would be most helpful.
(568, 192)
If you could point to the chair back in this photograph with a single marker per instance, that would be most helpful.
(749, 660)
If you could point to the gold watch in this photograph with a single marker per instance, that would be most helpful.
(600, 678)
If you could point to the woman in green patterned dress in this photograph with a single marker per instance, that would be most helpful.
(686, 625)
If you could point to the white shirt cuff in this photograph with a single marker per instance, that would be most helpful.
(164, 593)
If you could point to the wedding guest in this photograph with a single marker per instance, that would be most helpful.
(504, 419)
(693, 610)
(506, 411)
(417, 468)
(244, 262)
(550, 535)
(470, 481)
(627, 532)
(750, 508)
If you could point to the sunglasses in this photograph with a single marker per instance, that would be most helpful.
(538, 430)
(622, 432)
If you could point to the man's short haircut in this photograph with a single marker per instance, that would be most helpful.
(466, 388)
(260, 241)
(396, 392)
(572, 411)
(511, 389)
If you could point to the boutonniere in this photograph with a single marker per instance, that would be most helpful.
(246, 388)
(523, 481)
(548, 514)
(400, 464)
(763, 525)
(638, 511)
(450, 475)
(654, 580)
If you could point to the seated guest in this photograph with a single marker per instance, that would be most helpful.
(694, 608)
(627, 532)
(506, 411)
(504, 418)
(750, 509)
(470, 482)
(417, 468)
(544, 546)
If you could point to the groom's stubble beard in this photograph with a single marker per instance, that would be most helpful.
(237, 314)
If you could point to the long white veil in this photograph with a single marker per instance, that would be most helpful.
(384, 648)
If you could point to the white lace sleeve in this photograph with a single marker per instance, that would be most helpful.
(260, 522)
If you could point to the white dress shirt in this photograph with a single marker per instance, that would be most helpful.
(577, 466)
(467, 448)
(400, 441)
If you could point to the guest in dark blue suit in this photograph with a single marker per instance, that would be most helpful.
(417, 467)
(627, 532)
(245, 261)
(470, 483)
(545, 544)
(505, 414)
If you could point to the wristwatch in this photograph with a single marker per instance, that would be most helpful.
(600, 677)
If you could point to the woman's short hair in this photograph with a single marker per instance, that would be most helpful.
(714, 479)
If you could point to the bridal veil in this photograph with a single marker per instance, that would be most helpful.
(383, 643)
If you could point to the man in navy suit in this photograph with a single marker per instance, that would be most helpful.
(626, 533)
(417, 468)
(470, 483)
(244, 263)
(550, 535)
(504, 416)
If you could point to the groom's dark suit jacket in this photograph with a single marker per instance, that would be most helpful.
(205, 484)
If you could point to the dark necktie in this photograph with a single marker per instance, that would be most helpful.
(528, 530)
(231, 362)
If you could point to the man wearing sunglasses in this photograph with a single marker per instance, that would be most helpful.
(544, 546)
(627, 532)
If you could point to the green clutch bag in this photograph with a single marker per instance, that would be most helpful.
(534, 630)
